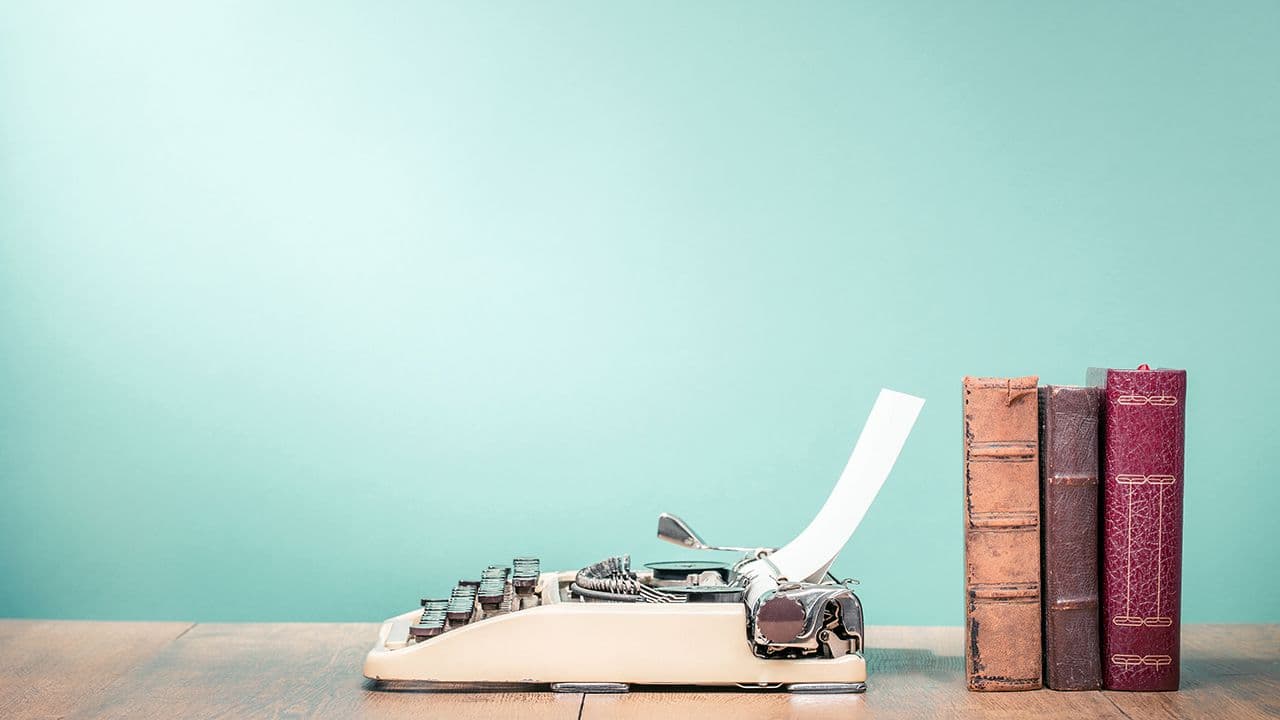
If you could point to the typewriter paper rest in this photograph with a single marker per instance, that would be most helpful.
(774, 618)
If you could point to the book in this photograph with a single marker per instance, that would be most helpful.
(1069, 466)
(1142, 488)
(1002, 534)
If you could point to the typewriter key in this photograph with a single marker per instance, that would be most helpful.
(432, 621)
(461, 604)
(525, 577)
(493, 587)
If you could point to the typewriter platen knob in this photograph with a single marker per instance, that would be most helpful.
(780, 619)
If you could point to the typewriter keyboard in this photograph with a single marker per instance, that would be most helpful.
(500, 589)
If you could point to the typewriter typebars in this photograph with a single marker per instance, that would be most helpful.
(774, 618)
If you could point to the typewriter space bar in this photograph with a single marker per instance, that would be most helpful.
(398, 635)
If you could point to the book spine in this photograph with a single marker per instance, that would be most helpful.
(1002, 534)
(1142, 528)
(1069, 434)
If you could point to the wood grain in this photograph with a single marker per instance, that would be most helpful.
(52, 669)
(1228, 671)
(919, 672)
(47, 668)
(292, 671)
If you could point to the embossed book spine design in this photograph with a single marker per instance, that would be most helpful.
(1069, 435)
(1002, 534)
(1142, 527)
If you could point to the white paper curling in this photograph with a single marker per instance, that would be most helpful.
(809, 555)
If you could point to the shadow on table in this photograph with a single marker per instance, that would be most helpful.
(914, 661)
(1225, 673)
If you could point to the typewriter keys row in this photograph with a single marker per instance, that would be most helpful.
(525, 576)
(493, 587)
(500, 589)
(461, 604)
(432, 621)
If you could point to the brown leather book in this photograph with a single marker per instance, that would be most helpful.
(1002, 534)
(1069, 436)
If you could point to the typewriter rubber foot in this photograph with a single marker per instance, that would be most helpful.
(826, 688)
(591, 687)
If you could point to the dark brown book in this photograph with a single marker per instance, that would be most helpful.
(1002, 534)
(1069, 435)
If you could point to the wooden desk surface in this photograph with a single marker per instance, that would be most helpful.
(55, 669)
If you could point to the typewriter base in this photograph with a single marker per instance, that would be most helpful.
(608, 688)
(621, 644)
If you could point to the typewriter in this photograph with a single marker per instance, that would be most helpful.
(775, 618)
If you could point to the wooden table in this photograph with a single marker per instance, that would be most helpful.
(54, 669)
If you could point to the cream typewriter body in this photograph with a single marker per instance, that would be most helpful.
(775, 618)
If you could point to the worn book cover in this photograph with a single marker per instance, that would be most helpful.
(1069, 467)
(1002, 534)
(1142, 490)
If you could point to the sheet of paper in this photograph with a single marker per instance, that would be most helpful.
(874, 455)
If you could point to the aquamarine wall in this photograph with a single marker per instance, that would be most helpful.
(309, 309)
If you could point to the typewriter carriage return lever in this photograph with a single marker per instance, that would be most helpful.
(676, 531)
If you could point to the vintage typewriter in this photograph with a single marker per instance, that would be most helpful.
(775, 618)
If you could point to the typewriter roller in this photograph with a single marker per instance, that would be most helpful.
(775, 618)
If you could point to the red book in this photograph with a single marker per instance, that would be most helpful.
(1143, 438)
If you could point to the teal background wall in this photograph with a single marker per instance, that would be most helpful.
(309, 309)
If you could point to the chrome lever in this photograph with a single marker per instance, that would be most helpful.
(677, 531)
